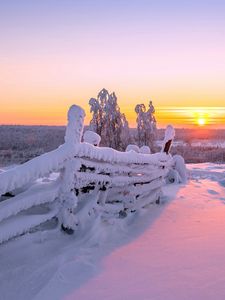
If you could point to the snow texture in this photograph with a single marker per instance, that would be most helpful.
(92, 137)
(169, 133)
(171, 251)
(180, 167)
(36, 195)
(114, 156)
(132, 147)
(75, 125)
(145, 150)
(36, 168)
(21, 224)
(169, 136)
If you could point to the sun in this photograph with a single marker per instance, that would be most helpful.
(201, 121)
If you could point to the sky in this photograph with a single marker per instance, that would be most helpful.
(62, 52)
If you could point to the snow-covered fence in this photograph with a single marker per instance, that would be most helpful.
(92, 180)
(118, 183)
(15, 217)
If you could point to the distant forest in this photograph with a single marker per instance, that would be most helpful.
(19, 144)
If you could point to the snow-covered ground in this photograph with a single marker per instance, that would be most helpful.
(209, 143)
(175, 251)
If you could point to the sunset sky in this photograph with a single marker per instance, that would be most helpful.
(56, 53)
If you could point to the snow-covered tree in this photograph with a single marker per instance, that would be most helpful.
(108, 121)
(146, 124)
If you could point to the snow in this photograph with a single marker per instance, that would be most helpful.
(209, 143)
(167, 252)
(37, 167)
(179, 166)
(92, 137)
(74, 127)
(178, 172)
(145, 150)
(169, 136)
(132, 147)
(169, 133)
(66, 161)
(36, 195)
(114, 156)
(20, 224)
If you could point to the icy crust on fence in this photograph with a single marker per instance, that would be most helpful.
(36, 195)
(114, 156)
(117, 180)
(101, 166)
(35, 168)
(21, 224)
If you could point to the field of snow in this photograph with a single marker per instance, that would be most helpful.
(209, 143)
(175, 251)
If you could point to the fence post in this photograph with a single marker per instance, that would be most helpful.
(169, 136)
(75, 125)
(67, 197)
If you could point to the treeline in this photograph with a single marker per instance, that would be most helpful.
(21, 143)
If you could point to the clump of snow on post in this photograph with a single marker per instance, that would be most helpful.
(75, 125)
(168, 138)
(92, 137)
(145, 150)
(178, 172)
(134, 148)
(169, 133)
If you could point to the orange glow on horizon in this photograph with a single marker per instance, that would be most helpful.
(181, 117)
